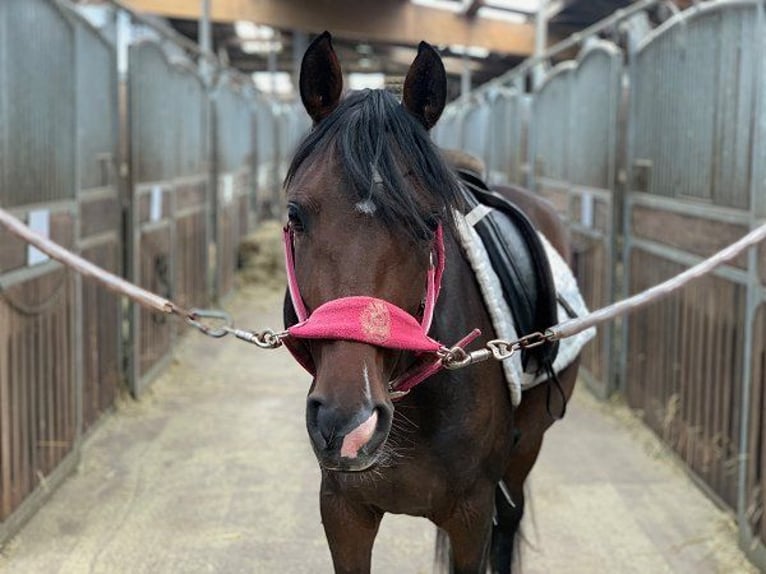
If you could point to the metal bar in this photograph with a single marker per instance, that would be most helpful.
(753, 295)
(541, 39)
(205, 40)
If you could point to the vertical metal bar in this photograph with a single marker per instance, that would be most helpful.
(753, 289)
(205, 41)
(6, 323)
(531, 179)
(132, 264)
(465, 77)
(205, 35)
(78, 312)
(272, 68)
(541, 40)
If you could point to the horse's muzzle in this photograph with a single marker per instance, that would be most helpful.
(349, 443)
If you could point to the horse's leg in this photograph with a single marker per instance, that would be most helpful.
(531, 419)
(469, 527)
(350, 530)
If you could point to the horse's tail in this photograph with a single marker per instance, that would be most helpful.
(504, 550)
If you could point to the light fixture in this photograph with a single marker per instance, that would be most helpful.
(273, 82)
(360, 81)
(260, 46)
(440, 5)
(497, 14)
(251, 31)
(471, 51)
(524, 6)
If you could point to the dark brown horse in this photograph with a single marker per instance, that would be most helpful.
(366, 192)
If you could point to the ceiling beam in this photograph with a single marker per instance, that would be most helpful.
(392, 21)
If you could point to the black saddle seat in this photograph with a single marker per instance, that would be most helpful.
(518, 258)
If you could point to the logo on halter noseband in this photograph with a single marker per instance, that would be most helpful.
(375, 321)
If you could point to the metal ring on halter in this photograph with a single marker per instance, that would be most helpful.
(268, 339)
(192, 318)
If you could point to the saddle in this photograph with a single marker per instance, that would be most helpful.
(518, 257)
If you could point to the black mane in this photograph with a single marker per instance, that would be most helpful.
(374, 138)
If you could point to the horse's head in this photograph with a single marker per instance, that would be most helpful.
(366, 192)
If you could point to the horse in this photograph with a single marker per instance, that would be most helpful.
(369, 196)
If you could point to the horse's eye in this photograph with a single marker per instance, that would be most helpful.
(294, 217)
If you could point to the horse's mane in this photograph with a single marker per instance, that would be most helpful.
(374, 138)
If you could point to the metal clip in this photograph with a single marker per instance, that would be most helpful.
(501, 349)
(266, 339)
(458, 358)
(194, 316)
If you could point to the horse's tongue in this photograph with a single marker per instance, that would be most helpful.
(359, 437)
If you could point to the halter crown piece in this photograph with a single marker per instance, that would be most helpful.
(369, 319)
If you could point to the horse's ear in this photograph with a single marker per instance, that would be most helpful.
(321, 81)
(425, 87)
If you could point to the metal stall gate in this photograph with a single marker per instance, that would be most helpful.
(550, 125)
(234, 145)
(507, 132)
(753, 499)
(696, 140)
(192, 199)
(267, 184)
(168, 115)
(575, 158)
(446, 132)
(474, 135)
(38, 171)
(100, 219)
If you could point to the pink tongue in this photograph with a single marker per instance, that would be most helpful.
(359, 437)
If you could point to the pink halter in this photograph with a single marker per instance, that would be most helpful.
(370, 320)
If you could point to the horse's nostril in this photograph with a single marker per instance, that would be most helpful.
(322, 421)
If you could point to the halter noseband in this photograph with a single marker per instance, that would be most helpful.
(370, 320)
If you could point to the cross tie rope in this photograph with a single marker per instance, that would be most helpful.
(452, 358)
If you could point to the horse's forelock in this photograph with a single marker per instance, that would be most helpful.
(385, 154)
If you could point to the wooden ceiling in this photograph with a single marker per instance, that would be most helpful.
(377, 35)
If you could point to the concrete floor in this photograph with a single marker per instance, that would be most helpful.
(212, 472)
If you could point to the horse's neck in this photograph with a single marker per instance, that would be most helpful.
(460, 308)
(477, 393)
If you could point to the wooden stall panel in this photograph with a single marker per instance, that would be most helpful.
(689, 233)
(589, 263)
(101, 326)
(155, 336)
(684, 369)
(38, 421)
(190, 250)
